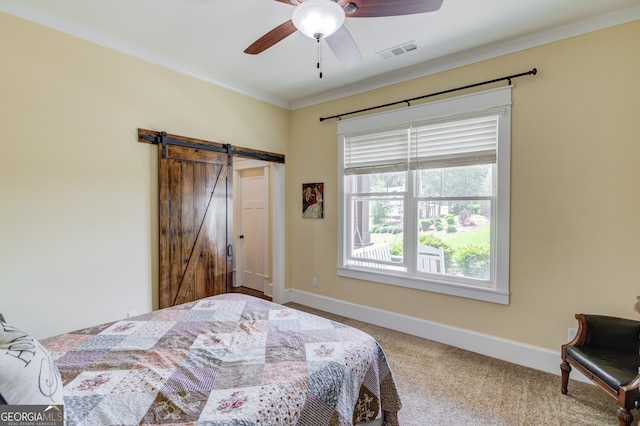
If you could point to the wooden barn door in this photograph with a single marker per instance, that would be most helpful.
(196, 210)
(195, 223)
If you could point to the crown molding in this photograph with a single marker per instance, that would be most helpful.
(467, 57)
(475, 55)
(37, 16)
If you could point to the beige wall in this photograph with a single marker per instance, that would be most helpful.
(574, 191)
(78, 209)
(78, 226)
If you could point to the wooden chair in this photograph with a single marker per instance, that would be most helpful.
(606, 350)
(430, 259)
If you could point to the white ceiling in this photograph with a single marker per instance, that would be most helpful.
(206, 39)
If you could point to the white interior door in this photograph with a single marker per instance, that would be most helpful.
(254, 230)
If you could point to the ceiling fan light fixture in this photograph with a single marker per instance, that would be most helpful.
(318, 18)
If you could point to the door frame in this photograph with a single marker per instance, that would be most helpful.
(276, 177)
(276, 284)
(238, 198)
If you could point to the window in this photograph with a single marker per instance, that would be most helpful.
(424, 196)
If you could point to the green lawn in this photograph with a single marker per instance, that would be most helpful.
(480, 235)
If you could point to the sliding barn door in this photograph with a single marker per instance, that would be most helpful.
(195, 224)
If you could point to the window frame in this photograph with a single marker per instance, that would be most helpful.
(460, 107)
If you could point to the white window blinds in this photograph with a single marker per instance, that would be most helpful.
(450, 132)
(444, 144)
(454, 143)
(378, 152)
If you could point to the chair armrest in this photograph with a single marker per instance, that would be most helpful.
(611, 333)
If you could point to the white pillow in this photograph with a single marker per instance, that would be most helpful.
(27, 373)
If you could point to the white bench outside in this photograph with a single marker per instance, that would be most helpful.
(430, 259)
(375, 252)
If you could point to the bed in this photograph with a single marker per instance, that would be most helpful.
(230, 359)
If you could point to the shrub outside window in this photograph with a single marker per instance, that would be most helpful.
(424, 196)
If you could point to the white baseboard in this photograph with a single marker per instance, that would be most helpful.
(507, 350)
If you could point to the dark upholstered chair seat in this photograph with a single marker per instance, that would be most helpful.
(607, 350)
(613, 368)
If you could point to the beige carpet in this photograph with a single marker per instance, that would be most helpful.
(443, 385)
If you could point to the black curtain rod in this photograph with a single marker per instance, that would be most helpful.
(408, 101)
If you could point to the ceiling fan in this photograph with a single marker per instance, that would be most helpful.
(333, 13)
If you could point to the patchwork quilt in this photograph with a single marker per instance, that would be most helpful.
(230, 359)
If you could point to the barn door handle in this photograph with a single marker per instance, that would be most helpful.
(229, 250)
(241, 237)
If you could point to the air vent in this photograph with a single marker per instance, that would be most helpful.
(409, 46)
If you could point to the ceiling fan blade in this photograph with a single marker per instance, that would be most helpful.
(379, 8)
(344, 47)
(274, 36)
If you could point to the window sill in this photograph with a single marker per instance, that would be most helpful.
(467, 291)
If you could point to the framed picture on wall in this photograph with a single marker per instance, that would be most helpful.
(312, 196)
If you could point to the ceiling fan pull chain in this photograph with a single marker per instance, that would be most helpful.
(319, 57)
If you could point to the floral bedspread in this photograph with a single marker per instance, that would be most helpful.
(230, 359)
